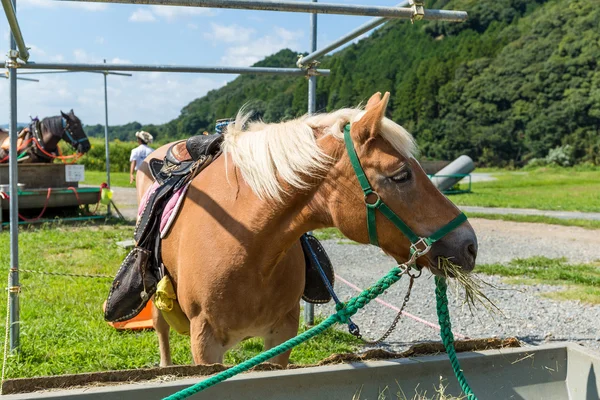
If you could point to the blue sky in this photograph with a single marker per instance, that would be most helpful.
(90, 32)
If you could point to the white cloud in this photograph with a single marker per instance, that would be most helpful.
(63, 4)
(118, 60)
(81, 56)
(192, 26)
(229, 33)
(254, 50)
(171, 13)
(35, 51)
(144, 97)
(142, 15)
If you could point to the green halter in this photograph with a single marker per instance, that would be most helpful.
(378, 204)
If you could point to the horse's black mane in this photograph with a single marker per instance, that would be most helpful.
(54, 125)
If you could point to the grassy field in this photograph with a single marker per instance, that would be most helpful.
(582, 281)
(543, 188)
(62, 328)
(117, 179)
(583, 223)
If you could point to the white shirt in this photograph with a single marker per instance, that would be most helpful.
(139, 154)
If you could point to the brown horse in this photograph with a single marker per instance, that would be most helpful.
(234, 253)
(42, 146)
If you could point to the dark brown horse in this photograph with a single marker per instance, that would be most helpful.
(234, 254)
(39, 142)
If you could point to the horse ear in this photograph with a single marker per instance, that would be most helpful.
(369, 125)
(373, 101)
(71, 112)
(66, 116)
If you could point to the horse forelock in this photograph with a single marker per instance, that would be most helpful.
(269, 154)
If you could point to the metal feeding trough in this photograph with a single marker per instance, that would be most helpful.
(549, 372)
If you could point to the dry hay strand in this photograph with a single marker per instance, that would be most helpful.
(472, 285)
(419, 349)
(439, 393)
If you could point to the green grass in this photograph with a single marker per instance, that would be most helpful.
(582, 280)
(62, 328)
(117, 179)
(583, 223)
(569, 189)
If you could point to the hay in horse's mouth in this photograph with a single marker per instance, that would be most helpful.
(472, 284)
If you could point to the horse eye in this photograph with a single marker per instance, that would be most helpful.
(401, 177)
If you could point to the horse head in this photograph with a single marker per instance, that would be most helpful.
(74, 133)
(376, 169)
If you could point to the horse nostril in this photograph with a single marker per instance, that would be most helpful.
(472, 250)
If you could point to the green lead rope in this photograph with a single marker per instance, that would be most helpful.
(344, 311)
(447, 336)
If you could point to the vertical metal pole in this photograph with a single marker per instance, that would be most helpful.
(14, 199)
(106, 137)
(309, 308)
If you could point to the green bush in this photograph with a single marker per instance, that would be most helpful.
(95, 159)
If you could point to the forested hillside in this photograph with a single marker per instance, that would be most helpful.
(518, 79)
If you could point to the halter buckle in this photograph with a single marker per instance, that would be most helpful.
(414, 248)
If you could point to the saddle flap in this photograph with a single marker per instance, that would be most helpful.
(132, 287)
(155, 166)
(315, 289)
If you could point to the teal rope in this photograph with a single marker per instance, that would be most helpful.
(447, 336)
(254, 361)
(344, 312)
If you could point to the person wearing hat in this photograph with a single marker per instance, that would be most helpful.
(139, 154)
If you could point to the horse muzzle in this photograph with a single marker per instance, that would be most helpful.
(83, 147)
(459, 247)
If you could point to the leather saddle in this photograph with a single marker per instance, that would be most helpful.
(138, 275)
(183, 155)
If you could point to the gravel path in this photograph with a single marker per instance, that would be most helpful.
(526, 314)
(530, 211)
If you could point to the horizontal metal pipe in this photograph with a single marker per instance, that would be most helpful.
(375, 22)
(68, 72)
(171, 68)
(11, 16)
(292, 6)
(21, 79)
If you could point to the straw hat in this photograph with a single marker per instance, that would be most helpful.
(144, 136)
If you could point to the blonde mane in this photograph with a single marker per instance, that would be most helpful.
(267, 154)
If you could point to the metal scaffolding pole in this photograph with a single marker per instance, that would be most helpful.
(70, 72)
(22, 79)
(106, 137)
(375, 22)
(11, 15)
(292, 6)
(13, 285)
(170, 68)
(309, 308)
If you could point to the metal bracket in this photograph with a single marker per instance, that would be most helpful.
(418, 11)
(14, 289)
(11, 61)
(312, 65)
(312, 71)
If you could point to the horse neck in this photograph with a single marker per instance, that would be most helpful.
(262, 230)
(50, 139)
